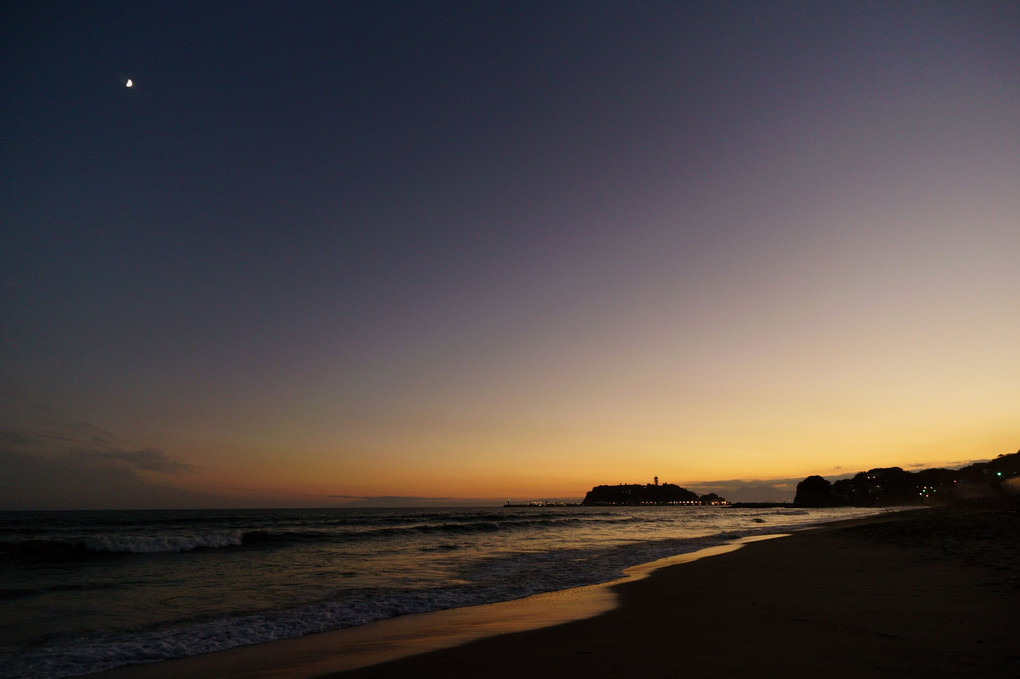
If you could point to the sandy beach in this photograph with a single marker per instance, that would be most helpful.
(920, 593)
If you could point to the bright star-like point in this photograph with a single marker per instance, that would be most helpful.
(129, 83)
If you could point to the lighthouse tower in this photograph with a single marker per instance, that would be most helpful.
(656, 480)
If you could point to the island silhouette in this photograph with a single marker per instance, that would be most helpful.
(648, 494)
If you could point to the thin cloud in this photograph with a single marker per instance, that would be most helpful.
(13, 438)
(68, 481)
(749, 490)
(954, 464)
(36, 430)
(45, 445)
(48, 461)
(149, 459)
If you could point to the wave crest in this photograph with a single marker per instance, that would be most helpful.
(161, 544)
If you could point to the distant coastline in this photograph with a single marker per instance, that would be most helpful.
(994, 481)
(542, 503)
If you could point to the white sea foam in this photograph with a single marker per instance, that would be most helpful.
(310, 571)
(153, 544)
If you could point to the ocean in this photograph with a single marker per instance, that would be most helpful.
(82, 592)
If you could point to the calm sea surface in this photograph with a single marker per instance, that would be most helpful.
(86, 591)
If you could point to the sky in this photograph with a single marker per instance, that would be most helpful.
(393, 252)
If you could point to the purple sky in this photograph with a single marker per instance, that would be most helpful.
(467, 249)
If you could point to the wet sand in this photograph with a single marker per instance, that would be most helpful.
(927, 593)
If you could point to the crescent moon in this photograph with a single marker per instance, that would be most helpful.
(129, 83)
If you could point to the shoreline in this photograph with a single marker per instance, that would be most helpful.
(381, 641)
(910, 593)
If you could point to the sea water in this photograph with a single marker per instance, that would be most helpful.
(82, 592)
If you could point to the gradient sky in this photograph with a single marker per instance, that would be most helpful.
(325, 251)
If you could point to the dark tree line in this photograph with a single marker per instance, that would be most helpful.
(886, 486)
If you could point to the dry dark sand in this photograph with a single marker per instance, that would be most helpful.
(933, 593)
